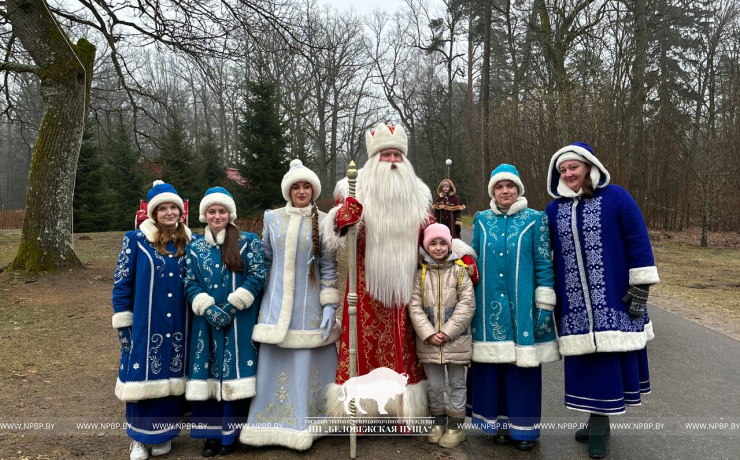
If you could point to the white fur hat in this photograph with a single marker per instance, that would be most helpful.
(300, 173)
(162, 192)
(386, 137)
(217, 195)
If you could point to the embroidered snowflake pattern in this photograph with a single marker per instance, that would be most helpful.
(136, 365)
(281, 393)
(250, 363)
(593, 249)
(576, 320)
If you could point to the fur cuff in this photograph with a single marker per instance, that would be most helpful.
(545, 295)
(649, 331)
(241, 298)
(123, 319)
(644, 275)
(547, 352)
(461, 248)
(201, 302)
(544, 306)
(149, 389)
(329, 235)
(329, 296)
(229, 390)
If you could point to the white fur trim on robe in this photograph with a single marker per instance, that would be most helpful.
(285, 437)
(149, 389)
(415, 403)
(605, 341)
(509, 352)
(228, 390)
(241, 298)
(201, 302)
(149, 230)
(331, 238)
(519, 205)
(220, 236)
(307, 339)
(461, 248)
(123, 319)
(644, 275)
(275, 333)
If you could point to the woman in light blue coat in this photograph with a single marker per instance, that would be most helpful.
(297, 324)
(152, 320)
(225, 278)
(513, 330)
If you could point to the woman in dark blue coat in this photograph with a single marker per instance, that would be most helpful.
(604, 268)
(152, 322)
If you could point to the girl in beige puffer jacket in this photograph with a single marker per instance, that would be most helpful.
(441, 309)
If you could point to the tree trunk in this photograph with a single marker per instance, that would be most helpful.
(638, 95)
(485, 91)
(66, 77)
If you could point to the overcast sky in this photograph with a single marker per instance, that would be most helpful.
(364, 7)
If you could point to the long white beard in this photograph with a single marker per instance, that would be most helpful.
(395, 207)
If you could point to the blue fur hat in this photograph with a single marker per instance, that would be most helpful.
(505, 172)
(162, 192)
(217, 195)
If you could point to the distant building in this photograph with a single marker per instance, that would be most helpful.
(233, 175)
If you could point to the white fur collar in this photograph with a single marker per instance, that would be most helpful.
(149, 230)
(519, 205)
(306, 211)
(220, 237)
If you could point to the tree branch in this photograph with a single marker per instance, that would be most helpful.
(18, 67)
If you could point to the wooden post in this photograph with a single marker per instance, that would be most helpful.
(352, 310)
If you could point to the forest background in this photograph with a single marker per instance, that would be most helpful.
(184, 89)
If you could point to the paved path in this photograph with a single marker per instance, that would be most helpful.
(695, 375)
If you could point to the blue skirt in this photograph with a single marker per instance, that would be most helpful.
(504, 396)
(220, 419)
(153, 421)
(605, 383)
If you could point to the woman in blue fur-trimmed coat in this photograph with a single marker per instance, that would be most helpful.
(604, 267)
(153, 323)
(225, 279)
(513, 331)
(297, 324)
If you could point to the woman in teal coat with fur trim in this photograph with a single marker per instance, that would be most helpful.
(225, 279)
(513, 331)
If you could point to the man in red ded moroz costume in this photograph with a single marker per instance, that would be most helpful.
(392, 206)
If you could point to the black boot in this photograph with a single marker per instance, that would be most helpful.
(523, 445)
(211, 447)
(226, 450)
(582, 434)
(597, 428)
(502, 437)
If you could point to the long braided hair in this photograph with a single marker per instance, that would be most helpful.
(316, 250)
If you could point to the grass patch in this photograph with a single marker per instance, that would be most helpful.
(701, 284)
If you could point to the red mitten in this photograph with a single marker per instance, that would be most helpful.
(472, 268)
(349, 214)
